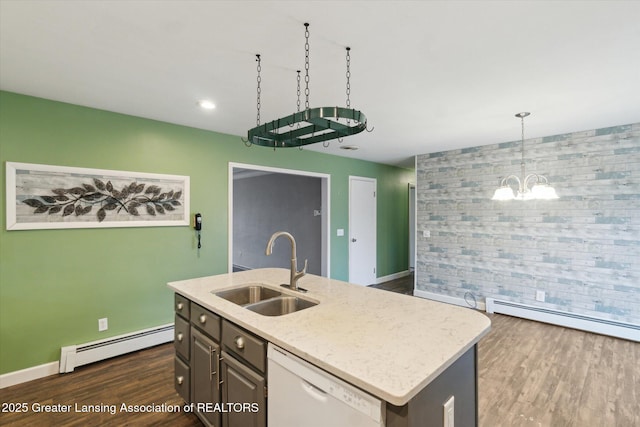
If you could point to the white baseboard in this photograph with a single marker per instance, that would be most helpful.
(83, 354)
(597, 325)
(77, 355)
(29, 374)
(449, 299)
(393, 276)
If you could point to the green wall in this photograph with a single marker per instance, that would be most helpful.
(55, 284)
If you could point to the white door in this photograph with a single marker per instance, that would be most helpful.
(362, 230)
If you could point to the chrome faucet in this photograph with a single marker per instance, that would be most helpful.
(295, 275)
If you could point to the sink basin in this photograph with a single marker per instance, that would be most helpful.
(248, 294)
(280, 305)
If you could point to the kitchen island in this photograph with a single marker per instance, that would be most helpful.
(410, 352)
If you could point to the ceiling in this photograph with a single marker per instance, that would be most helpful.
(429, 75)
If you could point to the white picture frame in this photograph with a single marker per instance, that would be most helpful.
(50, 197)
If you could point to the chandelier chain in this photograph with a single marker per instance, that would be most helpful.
(259, 79)
(306, 64)
(522, 164)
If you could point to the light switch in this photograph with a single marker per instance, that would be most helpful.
(426, 233)
(340, 232)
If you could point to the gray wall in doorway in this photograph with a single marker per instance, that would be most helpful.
(264, 203)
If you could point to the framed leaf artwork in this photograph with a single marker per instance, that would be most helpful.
(46, 196)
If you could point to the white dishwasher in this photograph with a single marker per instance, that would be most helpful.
(302, 395)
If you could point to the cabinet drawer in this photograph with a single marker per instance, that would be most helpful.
(181, 337)
(245, 345)
(181, 379)
(206, 321)
(181, 306)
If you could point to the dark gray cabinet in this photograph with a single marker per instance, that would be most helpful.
(226, 388)
(205, 386)
(244, 364)
(181, 341)
(242, 385)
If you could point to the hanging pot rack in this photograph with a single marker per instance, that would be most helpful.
(311, 125)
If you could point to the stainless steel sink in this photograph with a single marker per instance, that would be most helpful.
(265, 301)
(248, 294)
(280, 305)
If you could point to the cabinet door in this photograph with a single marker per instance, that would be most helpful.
(243, 392)
(205, 390)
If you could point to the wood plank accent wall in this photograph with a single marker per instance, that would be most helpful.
(583, 250)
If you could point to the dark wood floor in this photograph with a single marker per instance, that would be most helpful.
(403, 285)
(530, 374)
(533, 374)
(141, 378)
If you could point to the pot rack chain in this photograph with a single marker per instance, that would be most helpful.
(298, 92)
(247, 142)
(259, 90)
(348, 74)
(348, 91)
(306, 64)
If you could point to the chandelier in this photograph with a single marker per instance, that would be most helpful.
(529, 187)
(311, 125)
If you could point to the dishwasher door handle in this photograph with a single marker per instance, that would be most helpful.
(314, 391)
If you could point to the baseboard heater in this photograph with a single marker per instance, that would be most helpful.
(628, 331)
(83, 354)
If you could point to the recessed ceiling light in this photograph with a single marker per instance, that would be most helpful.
(349, 147)
(206, 104)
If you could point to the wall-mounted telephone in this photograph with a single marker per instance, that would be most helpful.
(197, 224)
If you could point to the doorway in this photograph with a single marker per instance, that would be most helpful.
(362, 230)
(263, 200)
(412, 227)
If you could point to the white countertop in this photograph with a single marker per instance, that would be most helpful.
(388, 344)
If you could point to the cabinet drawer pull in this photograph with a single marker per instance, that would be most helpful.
(180, 306)
(180, 379)
(239, 342)
(212, 370)
(203, 318)
(179, 337)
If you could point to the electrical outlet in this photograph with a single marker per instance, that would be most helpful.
(448, 412)
(340, 232)
(426, 233)
(540, 296)
(103, 324)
